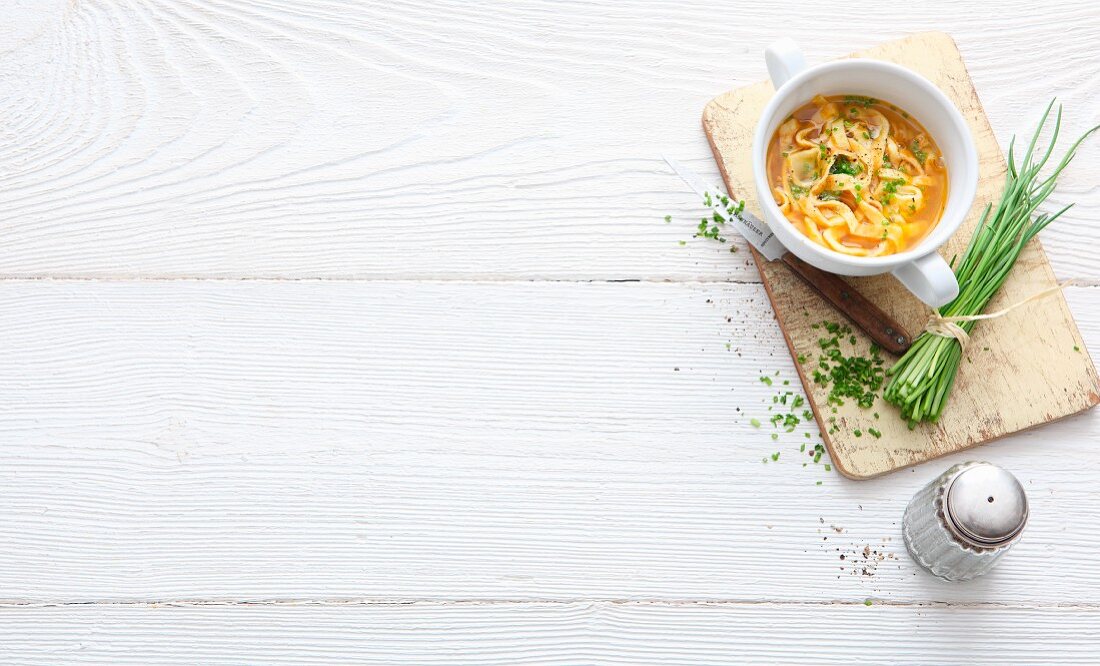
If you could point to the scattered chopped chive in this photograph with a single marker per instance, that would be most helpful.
(766, 379)
(755, 422)
(845, 166)
(853, 377)
(917, 152)
(860, 101)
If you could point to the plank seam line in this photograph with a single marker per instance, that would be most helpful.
(1077, 282)
(421, 279)
(12, 604)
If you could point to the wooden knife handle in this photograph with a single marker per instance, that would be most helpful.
(866, 315)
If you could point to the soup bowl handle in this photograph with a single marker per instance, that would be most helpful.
(784, 59)
(930, 279)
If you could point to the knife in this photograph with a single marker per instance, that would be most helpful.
(886, 332)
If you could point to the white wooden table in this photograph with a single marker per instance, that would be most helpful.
(342, 331)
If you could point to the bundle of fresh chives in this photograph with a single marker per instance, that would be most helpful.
(921, 381)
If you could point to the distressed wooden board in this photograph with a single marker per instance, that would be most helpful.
(601, 633)
(224, 448)
(340, 138)
(222, 440)
(1021, 372)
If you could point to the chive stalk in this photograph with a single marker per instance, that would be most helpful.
(920, 382)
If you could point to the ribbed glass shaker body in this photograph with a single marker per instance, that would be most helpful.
(963, 521)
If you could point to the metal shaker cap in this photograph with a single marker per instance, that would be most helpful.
(985, 505)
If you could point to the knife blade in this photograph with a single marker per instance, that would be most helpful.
(863, 313)
(754, 229)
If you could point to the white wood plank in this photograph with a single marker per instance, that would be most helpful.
(433, 139)
(540, 633)
(403, 440)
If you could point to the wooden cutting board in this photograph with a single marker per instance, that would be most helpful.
(1021, 371)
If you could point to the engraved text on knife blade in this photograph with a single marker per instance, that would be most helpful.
(762, 237)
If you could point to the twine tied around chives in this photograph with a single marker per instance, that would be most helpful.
(948, 327)
(921, 381)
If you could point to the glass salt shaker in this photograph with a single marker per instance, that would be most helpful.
(962, 522)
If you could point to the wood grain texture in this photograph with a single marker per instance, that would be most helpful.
(218, 451)
(540, 633)
(206, 138)
(860, 312)
(1031, 370)
(314, 440)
